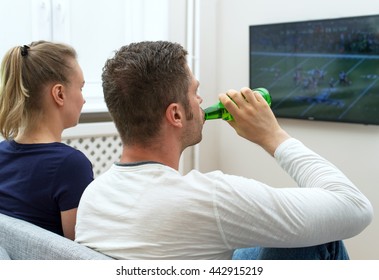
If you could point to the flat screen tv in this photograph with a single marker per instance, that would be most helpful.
(325, 70)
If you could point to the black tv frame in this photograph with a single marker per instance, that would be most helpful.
(325, 70)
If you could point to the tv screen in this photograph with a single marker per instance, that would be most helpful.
(324, 70)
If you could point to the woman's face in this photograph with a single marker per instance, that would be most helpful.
(75, 100)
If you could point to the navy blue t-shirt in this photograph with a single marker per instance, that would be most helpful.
(38, 181)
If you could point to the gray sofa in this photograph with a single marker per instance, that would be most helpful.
(20, 240)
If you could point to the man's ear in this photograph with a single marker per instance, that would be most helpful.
(57, 92)
(174, 114)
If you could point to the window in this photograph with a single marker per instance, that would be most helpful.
(94, 28)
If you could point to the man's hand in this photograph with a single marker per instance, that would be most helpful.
(253, 118)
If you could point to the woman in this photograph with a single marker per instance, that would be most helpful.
(41, 179)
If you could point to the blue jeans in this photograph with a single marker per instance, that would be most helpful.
(330, 251)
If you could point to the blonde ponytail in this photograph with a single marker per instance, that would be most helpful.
(12, 94)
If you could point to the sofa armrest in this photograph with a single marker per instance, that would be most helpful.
(3, 254)
(24, 241)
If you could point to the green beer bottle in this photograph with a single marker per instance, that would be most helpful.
(218, 111)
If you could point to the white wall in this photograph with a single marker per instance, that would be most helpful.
(224, 64)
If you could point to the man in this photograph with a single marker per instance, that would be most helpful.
(143, 208)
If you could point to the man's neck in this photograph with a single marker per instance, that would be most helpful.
(166, 154)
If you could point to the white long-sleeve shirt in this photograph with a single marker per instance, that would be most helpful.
(151, 211)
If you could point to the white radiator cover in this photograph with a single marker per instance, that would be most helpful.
(100, 142)
(102, 145)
